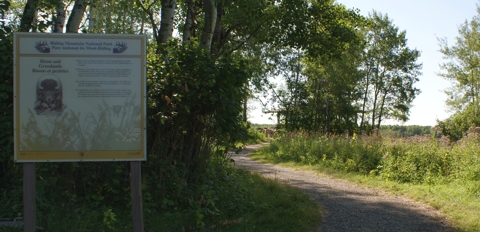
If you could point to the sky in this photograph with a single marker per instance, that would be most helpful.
(424, 21)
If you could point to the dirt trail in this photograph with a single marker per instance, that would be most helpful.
(348, 207)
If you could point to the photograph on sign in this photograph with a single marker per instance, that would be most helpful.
(79, 97)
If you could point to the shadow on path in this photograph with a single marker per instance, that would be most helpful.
(348, 207)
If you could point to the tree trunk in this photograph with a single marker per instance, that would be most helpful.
(166, 25)
(474, 93)
(60, 20)
(293, 90)
(377, 89)
(326, 128)
(386, 91)
(76, 16)
(210, 21)
(189, 20)
(245, 105)
(218, 34)
(315, 105)
(365, 99)
(374, 107)
(380, 114)
(91, 18)
(29, 14)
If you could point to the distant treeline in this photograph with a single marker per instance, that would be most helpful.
(385, 130)
(254, 125)
(405, 131)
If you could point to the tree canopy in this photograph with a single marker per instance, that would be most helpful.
(205, 59)
(367, 80)
(462, 69)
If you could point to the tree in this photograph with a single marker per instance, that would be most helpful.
(316, 35)
(293, 97)
(59, 18)
(334, 90)
(29, 15)
(197, 81)
(390, 73)
(462, 69)
(76, 16)
(462, 66)
(333, 85)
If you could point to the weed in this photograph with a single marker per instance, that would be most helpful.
(426, 168)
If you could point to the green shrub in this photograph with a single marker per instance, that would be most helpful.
(417, 159)
(253, 136)
(199, 121)
(456, 126)
(10, 173)
(340, 153)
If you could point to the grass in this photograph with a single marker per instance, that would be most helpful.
(224, 198)
(279, 208)
(253, 137)
(457, 194)
(274, 206)
(10, 229)
(252, 203)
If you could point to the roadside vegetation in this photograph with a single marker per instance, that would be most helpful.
(398, 131)
(343, 73)
(233, 201)
(225, 198)
(254, 136)
(442, 173)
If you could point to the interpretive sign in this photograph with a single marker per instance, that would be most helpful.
(79, 97)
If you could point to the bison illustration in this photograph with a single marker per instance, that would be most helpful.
(49, 96)
(119, 47)
(42, 47)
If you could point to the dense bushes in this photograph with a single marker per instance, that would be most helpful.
(349, 154)
(457, 126)
(417, 159)
(194, 113)
(10, 173)
(194, 118)
(404, 131)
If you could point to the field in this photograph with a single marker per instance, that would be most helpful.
(441, 173)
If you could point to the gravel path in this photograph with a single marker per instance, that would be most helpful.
(348, 207)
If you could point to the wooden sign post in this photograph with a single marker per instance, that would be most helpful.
(136, 185)
(29, 205)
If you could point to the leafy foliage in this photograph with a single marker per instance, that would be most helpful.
(462, 66)
(462, 69)
(10, 174)
(405, 131)
(417, 159)
(195, 105)
(424, 168)
(368, 79)
(390, 72)
(458, 125)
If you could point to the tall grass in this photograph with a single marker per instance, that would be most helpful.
(253, 136)
(229, 199)
(445, 174)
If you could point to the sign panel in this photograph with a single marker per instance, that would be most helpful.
(79, 97)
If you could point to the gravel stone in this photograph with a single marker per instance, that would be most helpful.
(349, 207)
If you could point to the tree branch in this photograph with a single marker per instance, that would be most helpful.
(150, 16)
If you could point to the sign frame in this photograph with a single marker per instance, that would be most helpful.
(96, 109)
